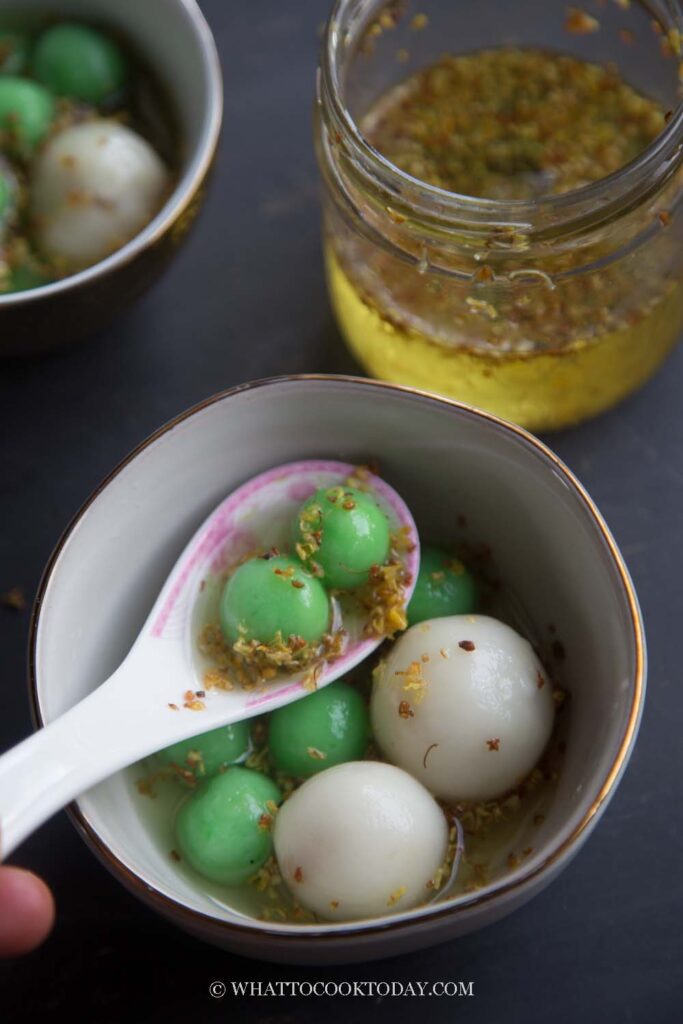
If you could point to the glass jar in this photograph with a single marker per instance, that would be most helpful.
(544, 310)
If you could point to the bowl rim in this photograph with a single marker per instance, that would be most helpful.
(188, 184)
(172, 907)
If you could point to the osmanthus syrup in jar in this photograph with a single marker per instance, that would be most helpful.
(502, 197)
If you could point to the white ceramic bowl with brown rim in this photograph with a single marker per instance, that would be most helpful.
(550, 545)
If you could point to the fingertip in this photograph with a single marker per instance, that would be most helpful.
(27, 911)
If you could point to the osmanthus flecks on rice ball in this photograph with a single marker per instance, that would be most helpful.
(360, 840)
(271, 596)
(93, 187)
(463, 704)
(341, 532)
(204, 756)
(223, 830)
(327, 728)
(408, 781)
(81, 144)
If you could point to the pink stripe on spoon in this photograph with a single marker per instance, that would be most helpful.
(141, 708)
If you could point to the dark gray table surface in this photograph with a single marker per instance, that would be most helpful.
(246, 299)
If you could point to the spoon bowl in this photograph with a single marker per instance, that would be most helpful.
(157, 696)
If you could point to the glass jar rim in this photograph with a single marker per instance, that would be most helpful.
(622, 189)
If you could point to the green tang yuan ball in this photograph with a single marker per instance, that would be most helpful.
(26, 113)
(326, 728)
(205, 755)
(224, 829)
(271, 595)
(25, 277)
(76, 61)
(14, 52)
(344, 532)
(443, 587)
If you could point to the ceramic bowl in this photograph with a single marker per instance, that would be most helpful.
(551, 547)
(175, 41)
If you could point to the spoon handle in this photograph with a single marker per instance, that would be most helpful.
(62, 760)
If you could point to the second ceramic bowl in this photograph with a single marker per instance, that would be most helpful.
(552, 551)
(176, 43)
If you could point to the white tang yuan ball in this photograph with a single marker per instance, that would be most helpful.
(464, 705)
(94, 187)
(360, 840)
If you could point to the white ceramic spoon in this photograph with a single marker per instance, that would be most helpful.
(141, 708)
